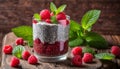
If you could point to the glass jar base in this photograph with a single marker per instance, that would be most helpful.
(51, 59)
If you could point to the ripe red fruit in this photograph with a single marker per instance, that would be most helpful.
(48, 20)
(25, 55)
(115, 50)
(77, 60)
(61, 16)
(19, 41)
(34, 21)
(87, 58)
(45, 14)
(64, 22)
(51, 14)
(32, 60)
(14, 62)
(76, 51)
(7, 49)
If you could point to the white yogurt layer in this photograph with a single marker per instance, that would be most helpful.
(50, 32)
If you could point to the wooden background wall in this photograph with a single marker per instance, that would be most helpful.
(14, 13)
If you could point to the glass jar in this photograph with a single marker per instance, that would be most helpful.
(50, 41)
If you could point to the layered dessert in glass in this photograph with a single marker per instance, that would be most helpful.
(50, 37)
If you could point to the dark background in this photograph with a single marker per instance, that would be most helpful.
(15, 13)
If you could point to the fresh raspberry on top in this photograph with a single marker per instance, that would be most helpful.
(32, 59)
(7, 49)
(77, 60)
(37, 41)
(87, 58)
(45, 14)
(51, 14)
(48, 20)
(34, 21)
(25, 55)
(19, 41)
(115, 50)
(14, 62)
(77, 51)
(64, 22)
(61, 16)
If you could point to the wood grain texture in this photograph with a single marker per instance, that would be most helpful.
(10, 39)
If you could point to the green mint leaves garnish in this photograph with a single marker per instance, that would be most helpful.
(17, 51)
(25, 32)
(53, 7)
(37, 17)
(88, 50)
(56, 10)
(105, 56)
(90, 18)
(83, 31)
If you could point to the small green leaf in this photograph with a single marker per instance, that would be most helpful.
(95, 40)
(105, 56)
(37, 17)
(17, 51)
(88, 50)
(76, 42)
(53, 19)
(25, 32)
(61, 8)
(74, 26)
(90, 18)
(53, 8)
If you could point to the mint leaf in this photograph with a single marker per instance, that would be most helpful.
(74, 26)
(53, 19)
(25, 32)
(17, 51)
(37, 17)
(105, 56)
(90, 18)
(53, 8)
(95, 40)
(88, 50)
(61, 8)
(75, 42)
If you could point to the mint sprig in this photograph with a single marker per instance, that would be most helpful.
(25, 32)
(37, 17)
(17, 51)
(56, 10)
(83, 31)
(104, 56)
(89, 19)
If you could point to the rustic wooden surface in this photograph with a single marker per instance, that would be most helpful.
(10, 39)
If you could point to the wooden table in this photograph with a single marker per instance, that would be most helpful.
(10, 39)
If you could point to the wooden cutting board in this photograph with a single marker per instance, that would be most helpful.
(10, 39)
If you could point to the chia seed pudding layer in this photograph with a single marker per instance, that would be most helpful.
(50, 33)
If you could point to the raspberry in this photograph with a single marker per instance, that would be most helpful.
(48, 20)
(34, 21)
(77, 60)
(45, 14)
(37, 41)
(115, 50)
(87, 58)
(77, 51)
(64, 22)
(51, 14)
(61, 16)
(14, 62)
(25, 55)
(7, 49)
(32, 60)
(19, 41)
